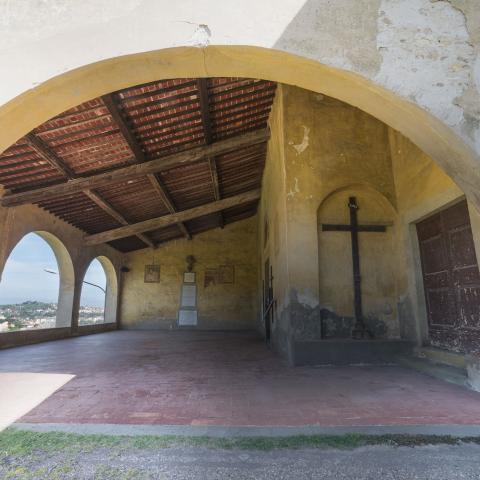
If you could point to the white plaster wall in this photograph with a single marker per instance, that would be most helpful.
(427, 51)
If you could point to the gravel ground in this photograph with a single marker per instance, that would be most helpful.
(439, 462)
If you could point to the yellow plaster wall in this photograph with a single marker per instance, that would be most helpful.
(220, 306)
(324, 147)
(272, 210)
(377, 262)
(329, 145)
(321, 152)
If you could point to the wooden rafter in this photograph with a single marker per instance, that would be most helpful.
(51, 157)
(173, 218)
(104, 205)
(127, 133)
(129, 172)
(42, 149)
(207, 130)
(205, 109)
(163, 192)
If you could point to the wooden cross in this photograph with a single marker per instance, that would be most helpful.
(359, 330)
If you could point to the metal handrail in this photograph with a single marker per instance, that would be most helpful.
(269, 307)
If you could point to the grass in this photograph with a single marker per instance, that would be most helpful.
(15, 442)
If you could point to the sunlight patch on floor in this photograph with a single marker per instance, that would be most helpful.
(20, 392)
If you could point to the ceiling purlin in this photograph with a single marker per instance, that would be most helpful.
(50, 156)
(129, 172)
(113, 107)
(172, 218)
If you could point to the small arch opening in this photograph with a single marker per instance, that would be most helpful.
(98, 300)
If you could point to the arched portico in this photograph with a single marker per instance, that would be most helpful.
(32, 108)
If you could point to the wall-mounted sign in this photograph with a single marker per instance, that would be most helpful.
(189, 296)
(221, 274)
(189, 277)
(152, 274)
(187, 318)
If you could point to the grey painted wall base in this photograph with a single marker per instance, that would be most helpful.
(28, 337)
(349, 352)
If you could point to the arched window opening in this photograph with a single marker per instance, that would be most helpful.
(36, 285)
(99, 293)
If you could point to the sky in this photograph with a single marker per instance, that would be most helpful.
(24, 277)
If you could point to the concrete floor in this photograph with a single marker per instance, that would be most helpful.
(213, 378)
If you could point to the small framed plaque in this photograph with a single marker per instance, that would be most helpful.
(210, 277)
(189, 277)
(226, 274)
(152, 274)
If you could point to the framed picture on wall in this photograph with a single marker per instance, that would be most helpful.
(152, 274)
(226, 274)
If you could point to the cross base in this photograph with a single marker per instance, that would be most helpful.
(360, 331)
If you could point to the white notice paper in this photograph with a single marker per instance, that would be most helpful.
(189, 296)
(187, 317)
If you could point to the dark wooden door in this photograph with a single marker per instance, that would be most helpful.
(451, 279)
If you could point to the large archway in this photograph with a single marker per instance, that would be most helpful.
(453, 155)
(41, 271)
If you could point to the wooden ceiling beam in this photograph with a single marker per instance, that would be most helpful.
(212, 165)
(166, 199)
(205, 109)
(129, 172)
(51, 157)
(42, 149)
(173, 218)
(207, 130)
(119, 120)
(104, 205)
(139, 155)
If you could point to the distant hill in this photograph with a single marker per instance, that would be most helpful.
(29, 309)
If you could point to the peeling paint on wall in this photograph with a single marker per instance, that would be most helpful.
(426, 50)
(303, 145)
(295, 189)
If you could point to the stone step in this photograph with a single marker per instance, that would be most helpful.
(437, 355)
(448, 373)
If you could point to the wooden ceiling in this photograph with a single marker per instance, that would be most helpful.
(147, 164)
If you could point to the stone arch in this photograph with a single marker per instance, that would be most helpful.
(66, 276)
(453, 155)
(377, 263)
(111, 294)
(355, 185)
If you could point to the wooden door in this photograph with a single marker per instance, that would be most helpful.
(451, 279)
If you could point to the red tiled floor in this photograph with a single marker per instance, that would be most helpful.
(213, 378)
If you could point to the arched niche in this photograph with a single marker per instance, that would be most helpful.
(453, 155)
(66, 276)
(377, 264)
(111, 289)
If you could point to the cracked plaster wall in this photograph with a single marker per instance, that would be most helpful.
(427, 51)
(424, 50)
